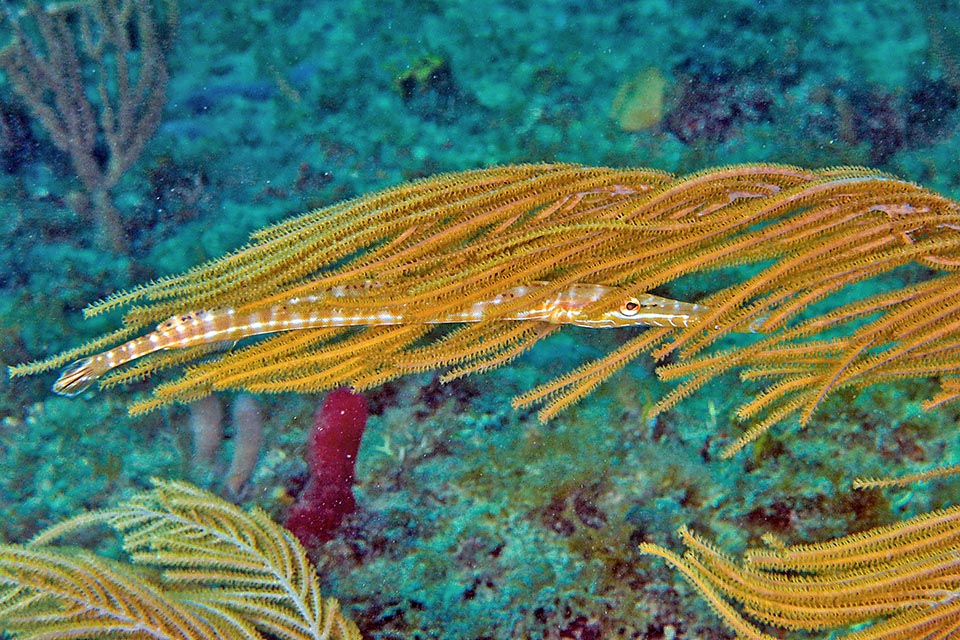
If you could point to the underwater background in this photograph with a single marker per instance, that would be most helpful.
(474, 520)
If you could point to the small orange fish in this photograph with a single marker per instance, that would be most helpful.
(226, 325)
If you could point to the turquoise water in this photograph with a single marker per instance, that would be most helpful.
(473, 520)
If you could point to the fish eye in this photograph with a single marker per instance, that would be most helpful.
(630, 307)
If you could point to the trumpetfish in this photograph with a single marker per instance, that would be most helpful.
(205, 327)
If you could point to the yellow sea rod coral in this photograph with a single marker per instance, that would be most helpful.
(466, 271)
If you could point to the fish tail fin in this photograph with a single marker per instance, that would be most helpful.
(77, 377)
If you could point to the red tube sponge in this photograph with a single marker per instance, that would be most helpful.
(331, 455)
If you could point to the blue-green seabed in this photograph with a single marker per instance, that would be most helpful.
(474, 520)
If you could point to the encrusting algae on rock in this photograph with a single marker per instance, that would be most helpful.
(639, 101)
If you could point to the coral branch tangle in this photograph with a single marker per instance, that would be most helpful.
(201, 568)
(904, 578)
(800, 242)
(53, 51)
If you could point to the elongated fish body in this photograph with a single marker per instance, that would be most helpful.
(220, 325)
